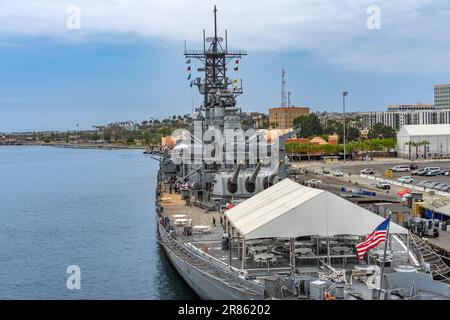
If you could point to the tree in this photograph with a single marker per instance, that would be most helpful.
(424, 143)
(409, 144)
(310, 125)
(352, 134)
(380, 131)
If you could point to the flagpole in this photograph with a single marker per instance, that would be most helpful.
(384, 255)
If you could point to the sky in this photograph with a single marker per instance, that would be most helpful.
(64, 63)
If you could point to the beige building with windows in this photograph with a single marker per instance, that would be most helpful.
(442, 95)
(283, 118)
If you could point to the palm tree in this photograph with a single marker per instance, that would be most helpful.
(416, 145)
(424, 143)
(409, 143)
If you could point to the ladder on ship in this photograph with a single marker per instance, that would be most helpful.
(203, 266)
(439, 269)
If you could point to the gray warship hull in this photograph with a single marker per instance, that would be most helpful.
(204, 284)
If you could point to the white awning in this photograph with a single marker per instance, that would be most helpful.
(290, 210)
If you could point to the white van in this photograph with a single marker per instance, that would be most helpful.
(432, 169)
(400, 168)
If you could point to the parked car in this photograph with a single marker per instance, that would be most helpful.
(326, 170)
(444, 172)
(432, 173)
(444, 187)
(400, 168)
(432, 169)
(383, 185)
(418, 172)
(431, 184)
(313, 182)
(413, 166)
(337, 173)
(439, 186)
(406, 179)
(423, 183)
(367, 171)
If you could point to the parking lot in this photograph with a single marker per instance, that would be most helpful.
(380, 171)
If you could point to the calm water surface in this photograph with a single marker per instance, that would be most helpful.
(91, 208)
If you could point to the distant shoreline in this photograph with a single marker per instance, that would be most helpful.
(78, 146)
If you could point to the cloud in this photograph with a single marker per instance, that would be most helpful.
(413, 37)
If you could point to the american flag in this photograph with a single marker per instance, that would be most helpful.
(375, 238)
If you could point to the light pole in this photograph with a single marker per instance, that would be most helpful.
(344, 94)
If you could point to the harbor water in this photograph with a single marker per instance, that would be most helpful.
(84, 207)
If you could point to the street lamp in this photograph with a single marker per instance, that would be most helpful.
(344, 94)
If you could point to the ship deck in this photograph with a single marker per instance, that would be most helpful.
(211, 241)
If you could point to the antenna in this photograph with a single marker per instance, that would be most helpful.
(214, 60)
(283, 89)
(215, 21)
(226, 41)
(204, 41)
(289, 99)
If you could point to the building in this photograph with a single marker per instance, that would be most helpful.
(398, 116)
(256, 119)
(333, 139)
(318, 140)
(442, 95)
(283, 118)
(424, 141)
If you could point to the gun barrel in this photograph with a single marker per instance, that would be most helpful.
(236, 174)
(250, 182)
(232, 182)
(255, 173)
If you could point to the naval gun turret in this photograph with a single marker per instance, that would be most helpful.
(250, 182)
(269, 180)
(232, 182)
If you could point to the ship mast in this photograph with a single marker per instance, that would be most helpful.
(214, 60)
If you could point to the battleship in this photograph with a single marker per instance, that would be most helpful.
(236, 227)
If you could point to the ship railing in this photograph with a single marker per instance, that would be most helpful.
(215, 265)
(213, 260)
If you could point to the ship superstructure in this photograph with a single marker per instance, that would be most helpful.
(219, 160)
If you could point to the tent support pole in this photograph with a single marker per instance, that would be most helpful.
(292, 254)
(238, 239)
(317, 251)
(407, 246)
(328, 251)
(243, 252)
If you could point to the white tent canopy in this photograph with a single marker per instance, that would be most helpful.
(290, 210)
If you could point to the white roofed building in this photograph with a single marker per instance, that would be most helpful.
(424, 141)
